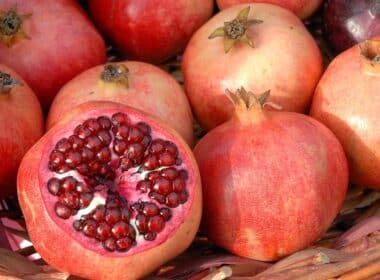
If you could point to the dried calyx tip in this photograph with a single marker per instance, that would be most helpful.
(370, 50)
(7, 82)
(11, 26)
(115, 73)
(236, 30)
(249, 100)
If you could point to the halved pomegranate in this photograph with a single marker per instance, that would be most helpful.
(136, 84)
(110, 193)
(21, 125)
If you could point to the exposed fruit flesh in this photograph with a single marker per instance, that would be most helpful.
(115, 182)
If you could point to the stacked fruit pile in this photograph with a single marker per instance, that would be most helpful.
(274, 177)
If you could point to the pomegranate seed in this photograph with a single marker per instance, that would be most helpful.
(112, 216)
(99, 213)
(104, 122)
(144, 128)
(54, 185)
(69, 199)
(124, 244)
(82, 132)
(120, 118)
(170, 173)
(156, 224)
(113, 202)
(166, 159)
(146, 140)
(150, 236)
(63, 145)
(78, 225)
(104, 155)
(141, 223)
(103, 231)
(143, 186)
(62, 211)
(73, 159)
(183, 174)
(89, 228)
(172, 200)
(82, 169)
(121, 132)
(158, 197)
(56, 159)
(68, 184)
(171, 148)
(92, 125)
(135, 151)
(119, 146)
(157, 146)
(87, 155)
(183, 196)
(109, 244)
(150, 162)
(153, 176)
(63, 169)
(95, 166)
(125, 214)
(179, 184)
(150, 209)
(85, 199)
(93, 143)
(165, 213)
(135, 135)
(120, 229)
(105, 137)
(162, 186)
(83, 188)
(76, 142)
(125, 164)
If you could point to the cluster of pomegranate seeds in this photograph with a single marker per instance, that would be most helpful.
(98, 150)
(72, 195)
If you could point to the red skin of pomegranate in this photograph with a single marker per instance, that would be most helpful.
(275, 180)
(150, 89)
(150, 30)
(63, 42)
(302, 8)
(45, 228)
(290, 70)
(345, 100)
(22, 124)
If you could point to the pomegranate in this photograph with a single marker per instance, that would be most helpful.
(346, 101)
(302, 8)
(48, 43)
(135, 84)
(275, 180)
(111, 188)
(21, 125)
(254, 52)
(349, 22)
(150, 30)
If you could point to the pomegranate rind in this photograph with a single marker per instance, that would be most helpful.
(65, 253)
(275, 184)
(22, 124)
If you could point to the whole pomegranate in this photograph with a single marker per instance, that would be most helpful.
(110, 193)
(346, 100)
(249, 45)
(150, 30)
(135, 84)
(274, 180)
(48, 43)
(302, 8)
(21, 125)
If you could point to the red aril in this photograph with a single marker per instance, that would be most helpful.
(272, 181)
(302, 8)
(48, 43)
(135, 84)
(21, 125)
(258, 46)
(100, 193)
(346, 100)
(150, 30)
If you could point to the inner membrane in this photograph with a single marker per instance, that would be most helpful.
(115, 183)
